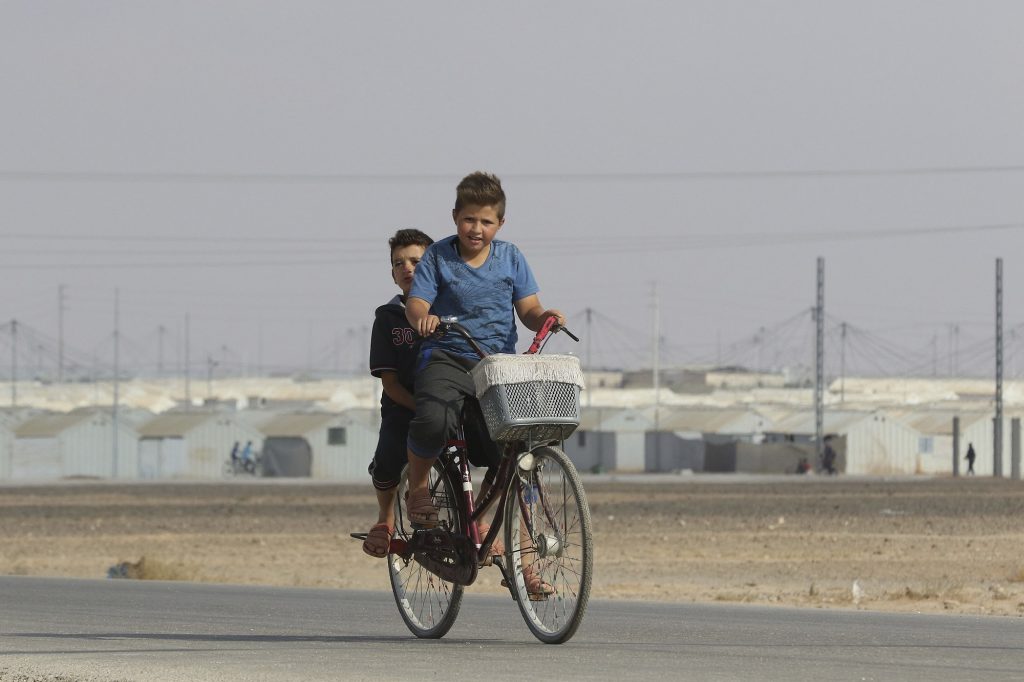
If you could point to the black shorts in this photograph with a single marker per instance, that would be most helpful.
(390, 457)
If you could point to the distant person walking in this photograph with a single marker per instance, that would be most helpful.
(970, 459)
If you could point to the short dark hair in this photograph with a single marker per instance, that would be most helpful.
(481, 189)
(408, 237)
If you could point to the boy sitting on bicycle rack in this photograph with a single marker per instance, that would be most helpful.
(481, 281)
(393, 347)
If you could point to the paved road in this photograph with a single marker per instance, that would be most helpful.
(127, 630)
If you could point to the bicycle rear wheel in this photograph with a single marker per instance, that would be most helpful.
(548, 538)
(428, 604)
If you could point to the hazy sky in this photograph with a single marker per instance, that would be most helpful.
(245, 162)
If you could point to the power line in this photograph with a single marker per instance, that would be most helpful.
(614, 243)
(136, 237)
(552, 247)
(424, 178)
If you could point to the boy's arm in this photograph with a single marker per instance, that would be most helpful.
(396, 391)
(532, 313)
(417, 311)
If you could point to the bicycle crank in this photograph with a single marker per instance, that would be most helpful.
(449, 557)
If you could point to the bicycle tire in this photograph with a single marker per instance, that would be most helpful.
(428, 604)
(559, 549)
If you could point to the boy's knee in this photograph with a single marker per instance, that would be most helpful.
(428, 432)
(423, 452)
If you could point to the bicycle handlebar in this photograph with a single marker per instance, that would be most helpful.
(451, 324)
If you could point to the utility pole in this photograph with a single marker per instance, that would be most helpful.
(842, 363)
(60, 332)
(210, 364)
(819, 362)
(309, 348)
(589, 366)
(117, 372)
(656, 364)
(160, 332)
(949, 347)
(1015, 449)
(956, 350)
(935, 355)
(655, 354)
(259, 349)
(188, 377)
(997, 431)
(14, 363)
(956, 446)
(336, 353)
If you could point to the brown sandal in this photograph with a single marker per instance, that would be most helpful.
(536, 588)
(378, 541)
(420, 508)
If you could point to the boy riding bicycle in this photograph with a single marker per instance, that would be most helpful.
(482, 282)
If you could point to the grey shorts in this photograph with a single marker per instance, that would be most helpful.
(444, 388)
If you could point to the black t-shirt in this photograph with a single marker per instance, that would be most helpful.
(393, 346)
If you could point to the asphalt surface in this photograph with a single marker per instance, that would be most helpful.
(64, 630)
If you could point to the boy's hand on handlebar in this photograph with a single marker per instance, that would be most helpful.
(428, 325)
(552, 312)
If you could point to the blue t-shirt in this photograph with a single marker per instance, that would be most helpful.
(481, 297)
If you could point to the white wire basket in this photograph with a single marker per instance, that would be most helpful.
(529, 397)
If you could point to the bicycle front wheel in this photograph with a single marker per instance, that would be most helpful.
(428, 604)
(549, 545)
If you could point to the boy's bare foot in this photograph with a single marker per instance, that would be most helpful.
(497, 547)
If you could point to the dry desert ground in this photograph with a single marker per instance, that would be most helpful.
(927, 545)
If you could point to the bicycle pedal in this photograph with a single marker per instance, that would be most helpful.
(420, 526)
(359, 536)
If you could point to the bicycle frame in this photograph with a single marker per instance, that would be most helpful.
(506, 475)
(539, 506)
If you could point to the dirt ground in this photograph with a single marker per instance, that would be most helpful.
(929, 545)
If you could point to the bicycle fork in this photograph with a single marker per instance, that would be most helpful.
(532, 497)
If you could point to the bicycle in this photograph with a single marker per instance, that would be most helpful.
(541, 506)
(237, 466)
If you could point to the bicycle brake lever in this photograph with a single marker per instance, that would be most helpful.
(570, 334)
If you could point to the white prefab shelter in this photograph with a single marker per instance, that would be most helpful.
(681, 435)
(191, 445)
(6, 450)
(9, 420)
(705, 422)
(875, 442)
(936, 439)
(610, 439)
(329, 446)
(82, 443)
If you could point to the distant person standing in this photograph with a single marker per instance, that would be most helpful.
(970, 459)
(828, 457)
